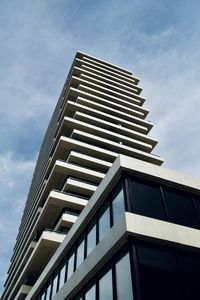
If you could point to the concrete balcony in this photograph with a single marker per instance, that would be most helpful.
(106, 75)
(62, 170)
(23, 292)
(65, 145)
(73, 185)
(116, 111)
(106, 89)
(117, 147)
(113, 116)
(70, 124)
(115, 128)
(43, 251)
(87, 160)
(104, 79)
(65, 221)
(109, 100)
(112, 73)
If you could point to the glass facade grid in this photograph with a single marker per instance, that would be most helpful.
(163, 202)
(92, 234)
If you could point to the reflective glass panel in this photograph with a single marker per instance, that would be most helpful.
(48, 294)
(104, 224)
(54, 286)
(147, 200)
(43, 296)
(123, 279)
(62, 276)
(80, 254)
(118, 206)
(91, 239)
(105, 287)
(180, 208)
(70, 268)
(91, 294)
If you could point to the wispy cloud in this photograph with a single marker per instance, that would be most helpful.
(14, 181)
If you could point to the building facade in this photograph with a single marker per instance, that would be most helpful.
(103, 219)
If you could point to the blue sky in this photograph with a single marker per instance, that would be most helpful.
(158, 40)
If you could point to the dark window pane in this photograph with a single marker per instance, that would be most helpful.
(159, 284)
(104, 224)
(147, 200)
(105, 287)
(62, 276)
(80, 254)
(157, 257)
(54, 286)
(123, 279)
(118, 206)
(180, 208)
(91, 239)
(70, 267)
(189, 262)
(190, 267)
(91, 294)
(159, 276)
(197, 204)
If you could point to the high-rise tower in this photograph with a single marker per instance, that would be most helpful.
(138, 230)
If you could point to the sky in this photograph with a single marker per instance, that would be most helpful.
(158, 40)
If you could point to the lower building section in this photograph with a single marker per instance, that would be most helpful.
(137, 238)
(139, 270)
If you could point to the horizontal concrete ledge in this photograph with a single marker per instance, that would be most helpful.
(66, 220)
(105, 80)
(108, 114)
(103, 89)
(110, 100)
(114, 146)
(84, 125)
(76, 186)
(92, 65)
(85, 160)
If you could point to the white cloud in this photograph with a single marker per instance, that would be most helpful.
(15, 179)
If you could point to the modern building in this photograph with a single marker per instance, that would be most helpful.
(103, 219)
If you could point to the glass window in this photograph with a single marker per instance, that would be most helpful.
(147, 199)
(70, 268)
(80, 254)
(159, 276)
(123, 279)
(104, 223)
(54, 286)
(190, 267)
(62, 276)
(91, 239)
(118, 206)
(48, 294)
(91, 293)
(157, 257)
(197, 204)
(180, 208)
(106, 287)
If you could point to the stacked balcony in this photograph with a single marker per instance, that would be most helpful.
(99, 115)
